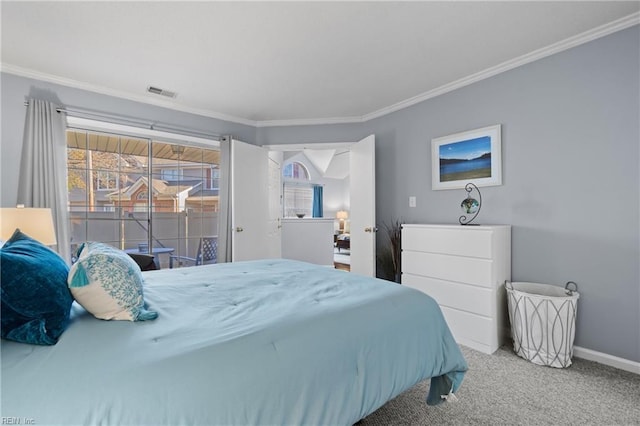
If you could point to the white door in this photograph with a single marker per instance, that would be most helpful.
(252, 237)
(274, 226)
(362, 160)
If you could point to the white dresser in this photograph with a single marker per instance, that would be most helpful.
(464, 269)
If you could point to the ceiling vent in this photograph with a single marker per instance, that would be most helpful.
(161, 92)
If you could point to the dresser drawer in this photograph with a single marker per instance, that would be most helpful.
(467, 270)
(471, 330)
(458, 241)
(477, 300)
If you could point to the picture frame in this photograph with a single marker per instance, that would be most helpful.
(473, 156)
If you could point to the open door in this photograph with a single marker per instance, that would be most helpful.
(363, 206)
(274, 226)
(255, 234)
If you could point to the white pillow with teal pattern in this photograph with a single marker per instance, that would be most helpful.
(108, 283)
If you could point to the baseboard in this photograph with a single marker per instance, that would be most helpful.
(606, 359)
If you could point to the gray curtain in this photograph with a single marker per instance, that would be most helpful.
(224, 213)
(43, 169)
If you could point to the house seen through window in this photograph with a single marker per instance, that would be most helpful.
(128, 191)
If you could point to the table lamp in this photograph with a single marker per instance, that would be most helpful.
(342, 215)
(35, 222)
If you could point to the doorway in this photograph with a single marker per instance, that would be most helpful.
(315, 207)
(347, 163)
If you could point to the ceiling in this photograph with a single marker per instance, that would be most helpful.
(273, 63)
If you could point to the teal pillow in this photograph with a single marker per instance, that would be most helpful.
(108, 283)
(36, 301)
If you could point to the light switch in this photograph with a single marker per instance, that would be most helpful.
(412, 201)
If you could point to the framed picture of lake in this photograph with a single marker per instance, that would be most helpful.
(473, 156)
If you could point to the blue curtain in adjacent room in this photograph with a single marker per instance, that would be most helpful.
(317, 201)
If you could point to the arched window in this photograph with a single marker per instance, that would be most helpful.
(295, 170)
(298, 192)
(142, 202)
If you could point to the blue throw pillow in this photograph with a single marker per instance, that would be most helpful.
(108, 283)
(36, 301)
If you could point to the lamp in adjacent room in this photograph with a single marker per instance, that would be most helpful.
(342, 215)
(35, 222)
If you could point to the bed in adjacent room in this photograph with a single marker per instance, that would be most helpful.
(247, 343)
(343, 241)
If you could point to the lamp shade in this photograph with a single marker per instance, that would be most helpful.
(35, 222)
(342, 214)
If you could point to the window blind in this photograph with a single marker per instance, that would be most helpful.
(297, 199)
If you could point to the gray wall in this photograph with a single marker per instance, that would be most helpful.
(570, 138)
(571, 177)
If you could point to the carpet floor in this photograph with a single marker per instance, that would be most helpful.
(504, 389)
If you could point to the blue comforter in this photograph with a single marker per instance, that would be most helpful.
(270, 342)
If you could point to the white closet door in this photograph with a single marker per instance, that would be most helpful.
(363, 206)
(250, 219)
(274, 227)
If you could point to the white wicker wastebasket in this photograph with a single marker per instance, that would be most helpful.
(543, 321)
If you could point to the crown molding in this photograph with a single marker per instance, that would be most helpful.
(50, 78)
(585, 37)
(309, 121)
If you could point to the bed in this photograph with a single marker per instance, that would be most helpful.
(343, 241)
(273, 342)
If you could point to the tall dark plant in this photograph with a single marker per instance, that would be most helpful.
(390, 256)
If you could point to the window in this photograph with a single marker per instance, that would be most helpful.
(214, 182)
(141, 207)
(110, 177)
(295, 170)
(106, 180)
(298, 192)
(297, 200)
(171, 174)
(141, 203)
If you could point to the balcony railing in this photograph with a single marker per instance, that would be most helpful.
(127, 230)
